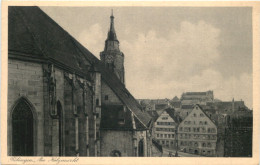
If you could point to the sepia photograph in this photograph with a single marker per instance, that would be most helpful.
(129, 81)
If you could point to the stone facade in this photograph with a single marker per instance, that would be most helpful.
(25, 83)
(55, 104)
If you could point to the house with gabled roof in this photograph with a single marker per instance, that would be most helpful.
(165, 128)
(62, 100)
(197, 133)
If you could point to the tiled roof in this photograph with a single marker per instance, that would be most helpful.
(160, 106)
(33, 33)
(170, 111)
(206, 114)
(187, 106)
(153, 114)
(176, 104)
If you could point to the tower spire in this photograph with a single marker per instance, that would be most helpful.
(112, 33)
(112, 56)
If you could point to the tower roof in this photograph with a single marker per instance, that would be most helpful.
(111, 35)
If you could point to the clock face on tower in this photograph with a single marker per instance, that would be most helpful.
(109, 58)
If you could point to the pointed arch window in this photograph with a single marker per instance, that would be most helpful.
(141, 148)
(23, 127)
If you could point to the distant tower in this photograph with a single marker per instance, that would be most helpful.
(112, 56)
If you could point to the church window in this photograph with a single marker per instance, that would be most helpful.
(22, 130)
(201, 115)
(194, 115)
(97, 102)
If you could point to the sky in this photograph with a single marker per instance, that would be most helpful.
(171, 50)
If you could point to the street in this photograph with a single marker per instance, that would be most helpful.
(180, 154)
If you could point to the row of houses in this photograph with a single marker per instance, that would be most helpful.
(208, 129)
(196, 134)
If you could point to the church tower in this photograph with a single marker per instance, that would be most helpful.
(112, 56)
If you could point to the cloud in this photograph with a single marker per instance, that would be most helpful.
(160, 67)
(91, 38)
(181, 54)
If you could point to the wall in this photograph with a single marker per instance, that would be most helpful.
(192, 141)
(26, 79)
(112, 98)
(163, 136)
(123, 143)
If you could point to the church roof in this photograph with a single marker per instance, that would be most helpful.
(34, 35)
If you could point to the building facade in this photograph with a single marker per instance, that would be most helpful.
(62, 100)
(197, 134)
(191, 98)
(165, 128)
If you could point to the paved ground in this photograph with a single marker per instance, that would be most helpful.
(180, 154)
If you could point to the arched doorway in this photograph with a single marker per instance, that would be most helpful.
(22, 130)
(141, 148)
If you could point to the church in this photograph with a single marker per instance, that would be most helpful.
(62, 100)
